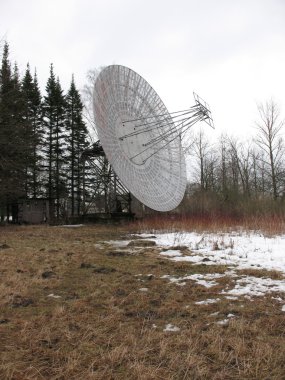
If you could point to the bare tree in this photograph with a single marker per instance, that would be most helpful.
(242, 158)
(223, 164)
(87, 96)
(205, 160)
(269, 140)
(257, 173)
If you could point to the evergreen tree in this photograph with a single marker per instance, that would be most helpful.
(54, 125)
(13, 141)
(76, 143)
(33, 129)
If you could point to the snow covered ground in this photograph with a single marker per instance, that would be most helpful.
(236, 250)
(241, 250)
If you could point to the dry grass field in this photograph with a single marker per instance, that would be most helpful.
(74, 306)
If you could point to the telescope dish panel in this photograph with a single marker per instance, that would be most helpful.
(147, 158)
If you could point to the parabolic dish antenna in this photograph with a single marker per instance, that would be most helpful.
(139, 138)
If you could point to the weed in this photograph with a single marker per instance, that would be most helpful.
(103, 326)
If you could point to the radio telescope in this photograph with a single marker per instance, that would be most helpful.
(141, 139)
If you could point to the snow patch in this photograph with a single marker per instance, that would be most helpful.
(224, 322)
(255, 286)
(243, 250)
(237, 250)
(170, 327)
(208, 301)
(206, 280)
(233, 298)
(118, 243)
(171, 253)
(143, 289)
(279, 299)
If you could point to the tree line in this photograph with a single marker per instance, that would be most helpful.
(41, 140)
(237, 177)
(42, 137)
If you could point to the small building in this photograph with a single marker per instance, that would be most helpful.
(34, 211)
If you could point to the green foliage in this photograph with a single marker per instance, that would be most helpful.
(41, 140)
(13, 139)
(54, 127)
(34, 132)
(76, 143)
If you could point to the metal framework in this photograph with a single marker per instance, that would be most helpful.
(178, 124)
(103, 192)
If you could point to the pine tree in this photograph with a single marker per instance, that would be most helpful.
(5, 90)
(54, 124)
(13, 141)
(76, 143)
(33, 127)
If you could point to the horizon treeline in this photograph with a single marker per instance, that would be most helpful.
(239, 178)
(42, 137)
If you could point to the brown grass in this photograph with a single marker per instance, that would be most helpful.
(274, 274)
(270, 225)
(104, 327)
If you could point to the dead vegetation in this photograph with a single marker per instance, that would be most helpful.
(273, 274)
(69, 309)
(270, 225)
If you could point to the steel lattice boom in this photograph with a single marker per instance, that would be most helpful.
(174, 126)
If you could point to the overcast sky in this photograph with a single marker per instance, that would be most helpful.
(231, 52)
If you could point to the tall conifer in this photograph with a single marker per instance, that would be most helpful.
(13, 141)
(54, 124)
(33, 129)
(76, 142)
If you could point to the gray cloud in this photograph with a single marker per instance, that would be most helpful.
(230, 51)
